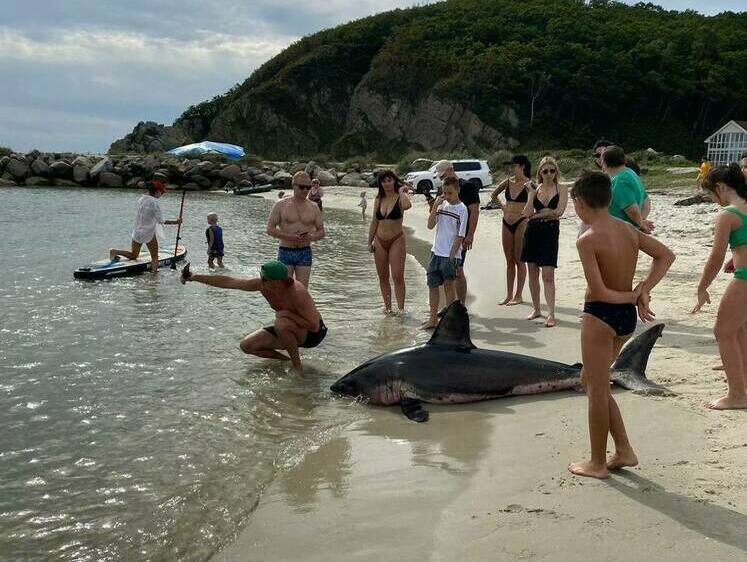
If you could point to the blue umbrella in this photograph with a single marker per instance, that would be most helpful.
(229, 150)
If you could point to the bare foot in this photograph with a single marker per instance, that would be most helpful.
(514, 301)
(387, 312)
(505, 301)
(428, 325)
(550, 322)
(534, 314)
(585, 468)
(619, 460)
(728, 403)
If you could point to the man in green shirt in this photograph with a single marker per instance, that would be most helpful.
(628, 194)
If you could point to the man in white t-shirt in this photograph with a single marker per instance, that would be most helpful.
(449, 217)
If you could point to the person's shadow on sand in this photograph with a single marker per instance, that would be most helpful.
(707, 519)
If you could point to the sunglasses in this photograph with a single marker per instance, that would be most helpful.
(549, 171)
(304, 186)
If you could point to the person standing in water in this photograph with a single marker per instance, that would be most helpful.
(214, 235)
(386, 238)
(147, 228)
(516, 188)
(297, 320)
(316, 193)
(296, 222)
(544, 208)
(727, 186)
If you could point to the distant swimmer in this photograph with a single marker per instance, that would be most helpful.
(296, 222)
(609, 254)
(148, 223)
(297, 320)
(727, 186)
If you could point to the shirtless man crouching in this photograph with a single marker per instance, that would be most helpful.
(296, 222)
(297, 320)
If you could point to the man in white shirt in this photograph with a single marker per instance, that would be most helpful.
(449, 217)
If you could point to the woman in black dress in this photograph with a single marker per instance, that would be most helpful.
(544, 208)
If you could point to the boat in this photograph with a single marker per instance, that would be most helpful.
(252, 189)
(108, 269)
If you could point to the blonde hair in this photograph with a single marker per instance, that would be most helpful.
(542, 163)
(213, 216)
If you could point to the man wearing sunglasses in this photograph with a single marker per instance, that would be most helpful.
(296, 222)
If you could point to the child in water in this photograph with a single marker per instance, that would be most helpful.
(363, 204)
(609, 253)
(214, 235)
(727, 186)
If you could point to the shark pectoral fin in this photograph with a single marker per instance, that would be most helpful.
(414, 410)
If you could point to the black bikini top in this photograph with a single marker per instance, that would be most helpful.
(551, 204)
(394, 214)
(522, 197)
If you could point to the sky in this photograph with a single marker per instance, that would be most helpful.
(77, 74)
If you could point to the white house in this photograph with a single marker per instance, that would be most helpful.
(728, 143)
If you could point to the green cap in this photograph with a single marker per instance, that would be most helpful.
(274, 271)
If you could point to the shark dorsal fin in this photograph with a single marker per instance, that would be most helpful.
(453, 329)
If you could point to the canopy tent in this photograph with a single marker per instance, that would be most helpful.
(229, 150)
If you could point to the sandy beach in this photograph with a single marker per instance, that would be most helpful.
(488, 481)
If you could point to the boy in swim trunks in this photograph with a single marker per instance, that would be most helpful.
(214, 235)
(297, 320)
(609, 253)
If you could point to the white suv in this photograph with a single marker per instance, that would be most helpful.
(476, 171)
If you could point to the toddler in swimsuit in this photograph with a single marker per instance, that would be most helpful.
(363, 203)
(609, 253)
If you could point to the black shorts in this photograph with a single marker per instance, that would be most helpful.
(312, 338)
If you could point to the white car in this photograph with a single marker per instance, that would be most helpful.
(476, 171)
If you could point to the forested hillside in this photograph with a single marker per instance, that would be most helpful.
(488, 74)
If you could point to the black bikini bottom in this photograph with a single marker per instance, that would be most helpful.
(512, 227)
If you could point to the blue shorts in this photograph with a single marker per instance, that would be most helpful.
(295, 257)
(441, 269)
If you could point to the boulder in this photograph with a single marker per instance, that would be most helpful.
(5, 182)
(37, 180)
(81, 173)
(133, 182)
(148, 136)
(282, 179)
(39, 167)
(64, 183)
(696, 199)
(263, 178)
(191, 186)
(678, 157)
(103, 165)
(245, 183)
(230, 172)
(650, 150)
(61, 169)
(297, 167)
(204, 167)
(4, 162)
(109, 179)
(326, 178)
(354, 180)
(310, 168)
(202, 181)
(252, 171)
(18, 168)
(81, 161)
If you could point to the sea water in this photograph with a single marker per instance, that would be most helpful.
(132, 426)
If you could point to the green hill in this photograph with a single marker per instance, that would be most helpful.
(488, 74)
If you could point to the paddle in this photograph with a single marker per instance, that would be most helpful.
(178, 230)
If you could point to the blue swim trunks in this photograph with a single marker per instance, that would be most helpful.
(293, 257)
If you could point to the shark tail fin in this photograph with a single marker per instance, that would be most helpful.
(629, 371)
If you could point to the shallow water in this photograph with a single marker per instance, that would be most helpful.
(133, 427)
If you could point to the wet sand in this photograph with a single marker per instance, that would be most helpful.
(488, 481)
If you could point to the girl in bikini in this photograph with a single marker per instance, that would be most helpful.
(727, 187)
(544, 208)
(386, 238)
(514, 224)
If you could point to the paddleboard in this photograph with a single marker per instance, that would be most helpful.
(106, 269)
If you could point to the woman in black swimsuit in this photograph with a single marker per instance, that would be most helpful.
(544, 208)
(386, 239)
(514, 224)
